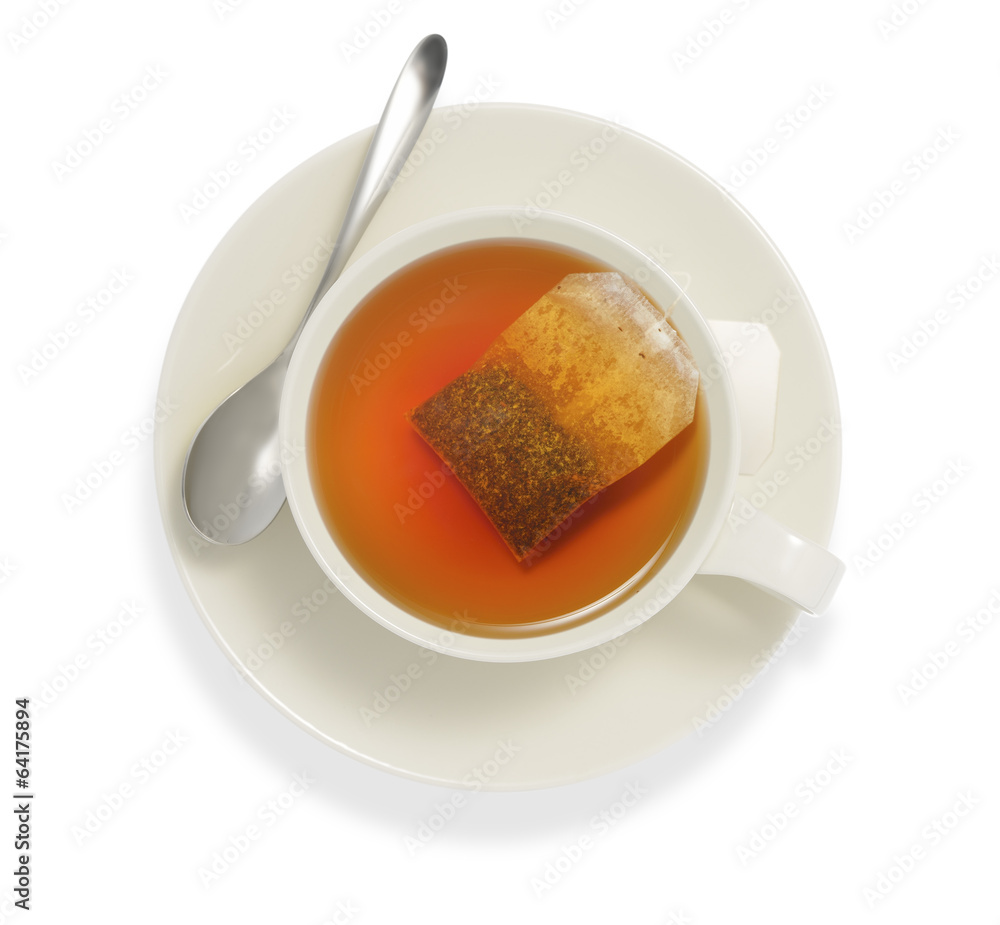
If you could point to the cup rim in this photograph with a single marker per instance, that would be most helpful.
(657, 588)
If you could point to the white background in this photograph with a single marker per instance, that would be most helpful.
(682, 853)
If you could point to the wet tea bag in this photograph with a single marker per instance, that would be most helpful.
(581, 389)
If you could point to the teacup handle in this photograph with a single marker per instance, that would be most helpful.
(758, 549)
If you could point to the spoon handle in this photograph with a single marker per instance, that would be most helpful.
(397, 132)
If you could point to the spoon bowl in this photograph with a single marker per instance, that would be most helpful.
(231, 488)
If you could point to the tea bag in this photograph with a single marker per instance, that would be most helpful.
(581, 389)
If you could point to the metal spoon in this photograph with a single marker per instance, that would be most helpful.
(231, 483)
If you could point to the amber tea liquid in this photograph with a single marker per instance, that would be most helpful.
(396, 511)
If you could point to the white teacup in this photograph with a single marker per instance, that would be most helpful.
(750, 546)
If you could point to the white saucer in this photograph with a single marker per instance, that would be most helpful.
(321, 661)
